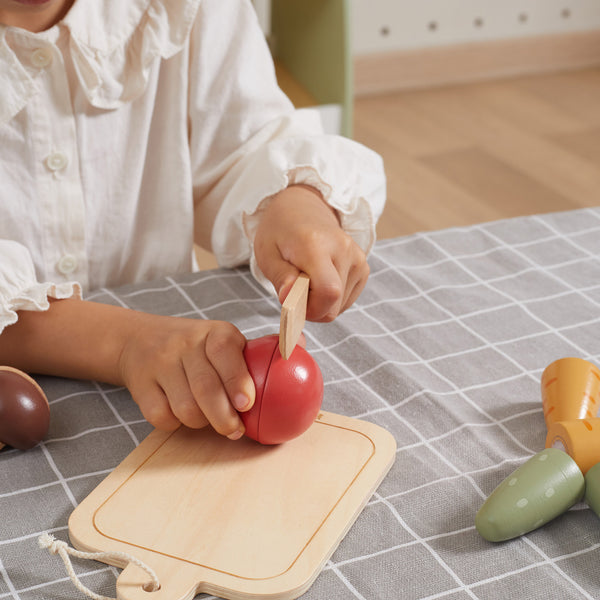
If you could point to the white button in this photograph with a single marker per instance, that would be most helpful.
(57, 161)
(41, 57)
(67, 264)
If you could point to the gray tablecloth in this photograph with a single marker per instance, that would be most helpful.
(444, 348)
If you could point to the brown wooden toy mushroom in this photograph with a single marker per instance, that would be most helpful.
(24, 410)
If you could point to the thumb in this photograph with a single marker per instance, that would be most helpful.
(270, 260)
(302, 341)
(287, 280)
(281, 274)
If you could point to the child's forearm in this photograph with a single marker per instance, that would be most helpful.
(73, 338)
(178, 370)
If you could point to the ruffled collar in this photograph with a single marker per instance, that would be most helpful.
(112, 44)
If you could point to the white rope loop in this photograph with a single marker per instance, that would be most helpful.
(54, 546)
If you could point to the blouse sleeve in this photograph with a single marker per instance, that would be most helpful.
(248, 143)
(19, 289)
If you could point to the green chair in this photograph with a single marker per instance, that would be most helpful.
(311, 39)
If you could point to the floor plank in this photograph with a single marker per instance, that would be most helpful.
(585, 144)
(483, 175)
(459, 155)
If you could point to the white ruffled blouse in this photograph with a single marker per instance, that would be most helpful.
(133, 128)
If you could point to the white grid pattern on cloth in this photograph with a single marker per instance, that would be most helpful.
(444, 348)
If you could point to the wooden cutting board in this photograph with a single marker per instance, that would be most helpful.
(234, 519)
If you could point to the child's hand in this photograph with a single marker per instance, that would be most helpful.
(184, 371)
(297, 232)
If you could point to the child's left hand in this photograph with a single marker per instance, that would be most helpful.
(298, 232)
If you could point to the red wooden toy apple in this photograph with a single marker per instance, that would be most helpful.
(289, 392)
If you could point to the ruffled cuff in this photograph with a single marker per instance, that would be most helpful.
(355, 215)
(19, 289)
(349, 177)
(35, 298)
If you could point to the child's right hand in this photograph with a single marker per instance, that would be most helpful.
(187, 371)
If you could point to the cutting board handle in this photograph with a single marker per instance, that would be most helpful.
(174, 584)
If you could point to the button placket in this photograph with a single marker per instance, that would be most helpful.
(67, 264)
(57, 161)
(61, 205)
(41, 58)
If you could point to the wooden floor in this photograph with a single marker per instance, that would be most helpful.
(479, 152)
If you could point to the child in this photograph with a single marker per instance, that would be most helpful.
(130, 129)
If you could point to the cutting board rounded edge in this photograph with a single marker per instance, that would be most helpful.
(285, 586)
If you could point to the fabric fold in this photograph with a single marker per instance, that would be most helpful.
(112, 62)
(19, 288)
(114, 69)
(17, 85)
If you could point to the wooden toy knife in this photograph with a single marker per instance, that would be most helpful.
(293, 316)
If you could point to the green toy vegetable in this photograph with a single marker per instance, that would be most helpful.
(592, 488)
(541, 489)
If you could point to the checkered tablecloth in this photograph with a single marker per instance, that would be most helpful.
(444, 348)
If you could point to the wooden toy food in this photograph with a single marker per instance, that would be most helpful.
(289, 392)
(570, 390)
(580, 439)
(24, 410)
(541, 489)
(592, 488)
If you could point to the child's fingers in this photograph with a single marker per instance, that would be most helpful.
(155, 407)
(353, 295)
(182, 402)
(215, 404)
(335, 264)
(326, 293)
(356, 281)
(212, 400)
(224, 348)
(220, 382)
(326, 286)
(302, 341)
(328, 271)
(284, 282)
(280, 272)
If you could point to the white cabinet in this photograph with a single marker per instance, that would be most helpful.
(404, 44)
(392, 25)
